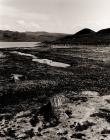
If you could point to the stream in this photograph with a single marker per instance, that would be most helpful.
(43, 61)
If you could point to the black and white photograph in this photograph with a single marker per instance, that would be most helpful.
(54, 69)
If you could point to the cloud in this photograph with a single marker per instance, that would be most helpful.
(35, 25)
(28, 25)
(4, 27)
(12, 18)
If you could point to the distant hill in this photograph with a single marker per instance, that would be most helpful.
(83, 37)
(83, 32)
(86, 37)
(104, 32)
(29, 36)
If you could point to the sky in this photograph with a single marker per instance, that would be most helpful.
(65, 16)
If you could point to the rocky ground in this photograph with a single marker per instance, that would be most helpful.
(83, 116)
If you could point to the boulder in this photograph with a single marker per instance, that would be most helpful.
(52, 112)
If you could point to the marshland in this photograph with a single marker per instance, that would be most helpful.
(27, 85)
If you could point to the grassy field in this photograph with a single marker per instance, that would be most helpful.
(88, 71)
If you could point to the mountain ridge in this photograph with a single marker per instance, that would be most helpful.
(86, 37)
(13, 36)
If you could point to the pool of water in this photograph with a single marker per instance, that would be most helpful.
(18, 44)
(43, 61)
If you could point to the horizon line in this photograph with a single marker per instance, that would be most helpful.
(51, 31)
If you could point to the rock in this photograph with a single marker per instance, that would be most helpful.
(39, 134)
(63, 117)
(58, 100)
(63, 138)
(90, 93)
(23, 114)
(10, 132)
(23, 136)
(78, 136)
(38, 127)
(68, 112)
(84, 126)
(105, 131)
(34, 120)
(62, 132)
(30, 132)
(47, 112)
(73, 125)
(17, 77)
(6, 116)
(103, 113)
(51, 113)
(2, 134)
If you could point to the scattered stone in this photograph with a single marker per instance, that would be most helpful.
(59, 120)
(103, 113)
(10, 132)
(108, 101)
(39, 129)
(47, 112)
(90, 93)
(65, 132)
(39, 125)
(73, 125)
(34, 120)
(79, 100)
(2, 135)
(63, 138)
(30, 133)
(39, 134)
(105, 131)
(68, 112)
(17, 77)
(62, 133)
(22, 136)
(23, 114)
(84, 126)
(46, 132)
(78, 135)
(6, 116)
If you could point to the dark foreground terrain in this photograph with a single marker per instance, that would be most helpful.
(86, 84)
(85, 37)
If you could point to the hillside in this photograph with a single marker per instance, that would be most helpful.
(29, 36)
(104, 32)
(86, 37)
(85, 31)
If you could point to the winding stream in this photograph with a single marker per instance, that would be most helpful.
(43, 61)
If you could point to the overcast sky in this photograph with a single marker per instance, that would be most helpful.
(66, 16)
